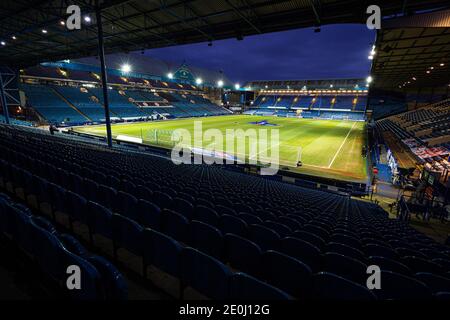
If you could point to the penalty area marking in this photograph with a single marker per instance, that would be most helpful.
(342, 144)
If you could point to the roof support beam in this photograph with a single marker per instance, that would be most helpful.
(101, 53)
(313, 4)
(238, 12)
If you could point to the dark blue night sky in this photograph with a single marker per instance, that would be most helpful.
(339, 51)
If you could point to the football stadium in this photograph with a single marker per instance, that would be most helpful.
(143, 158)
(331, 148)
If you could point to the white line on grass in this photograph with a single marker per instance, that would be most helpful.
(267, 149)
(343, 142)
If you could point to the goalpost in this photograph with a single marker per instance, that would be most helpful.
(160, 137)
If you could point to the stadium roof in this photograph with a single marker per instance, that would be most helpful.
(313, 84)
(131, 25)
(415, 55)
(156, 67)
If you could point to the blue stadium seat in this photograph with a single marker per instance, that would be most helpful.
(127, 234)
(293, 224)
(246, 208)
(161, 251)
(77, 183)
(346, 240)
(106, 196)
(345, 230)
(390, 265)
(444, 263)
(204, 202)
(380, 251)
(184, 207)
(328, 286)
(143, 192)
(316, 230)
(126, 205)
(310, 238)
(162, 200)
(264, 237)
(206, 215)
(205, 274)
(435, 282)
(345, 250)
(126, 186)
(434, 254)
(71, 244)
(58, 196)
(245, 287)
(89, 188)
(222, 210)
(345, 266)
(168, 191)
(44, 224)
(186, 196)
(300, 219)
(76, 207)
(232, 224)
(114, 284)
(422, 265)
(175, 225)
(301, 250)
(242, 254)
(99, 220)
(409, 252)
(279, 228)
(250, 218)
(46, 249)
(395, 286)
(90, 280)
(149, 215)
(263, 214)
(17, 224)
(370, 240)
(207, 239)
(287, 273)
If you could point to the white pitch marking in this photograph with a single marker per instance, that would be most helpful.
(343, 142)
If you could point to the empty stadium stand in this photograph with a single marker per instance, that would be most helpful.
(54, 252)
(336, 107)
(78, 105)
(291, 242)
(119, 104)
(429, 125)
(51, 106)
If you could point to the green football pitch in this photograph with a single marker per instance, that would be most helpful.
(326, 148)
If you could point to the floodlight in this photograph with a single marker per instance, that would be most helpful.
(126, 68)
